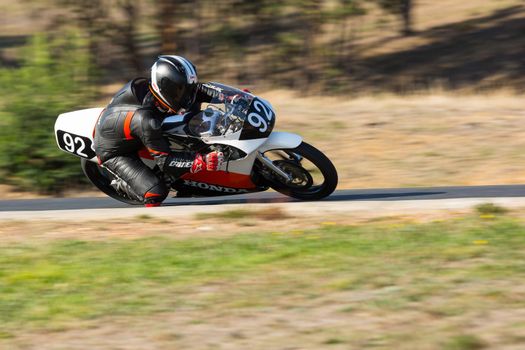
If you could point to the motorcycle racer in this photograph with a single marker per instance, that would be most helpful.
(132, 120)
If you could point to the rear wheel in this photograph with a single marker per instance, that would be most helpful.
(101, 178)
(313, 176)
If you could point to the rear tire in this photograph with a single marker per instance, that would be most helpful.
(310, 191)
(102, 180)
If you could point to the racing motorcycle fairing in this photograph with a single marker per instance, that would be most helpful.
(280, 140)
(74, 132)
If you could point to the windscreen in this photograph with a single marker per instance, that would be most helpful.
(224, 115)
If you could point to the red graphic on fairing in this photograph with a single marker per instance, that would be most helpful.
(221, 178)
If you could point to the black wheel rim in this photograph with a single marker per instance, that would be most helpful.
(301, 163)
(301, 178)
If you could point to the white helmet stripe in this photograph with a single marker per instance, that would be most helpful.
(154, 76)
(186, 64)
(191, 74)
(154, 83)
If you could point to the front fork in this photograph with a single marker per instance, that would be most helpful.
(269, 164)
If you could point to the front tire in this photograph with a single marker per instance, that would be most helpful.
(101, 178)
(306, 184)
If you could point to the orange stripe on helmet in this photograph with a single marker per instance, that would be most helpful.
(159, 100)
(127, 125)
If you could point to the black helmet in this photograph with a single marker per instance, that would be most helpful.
(174, 82)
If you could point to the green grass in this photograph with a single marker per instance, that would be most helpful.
(48, 284)
(464, 342)
(490, 209)
(270, 213)
(144, 217)
(227, 214)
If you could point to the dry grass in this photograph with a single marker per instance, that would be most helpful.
(222, 224)
(427, 140)
(269, 213)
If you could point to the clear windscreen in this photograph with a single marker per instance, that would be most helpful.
(224, 115)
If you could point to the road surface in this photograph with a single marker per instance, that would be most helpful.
(374, 202)
(386, 194)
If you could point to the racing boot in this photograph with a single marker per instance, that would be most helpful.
(123, 187)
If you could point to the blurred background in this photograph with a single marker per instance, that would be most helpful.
(398, 93)
(408, 89)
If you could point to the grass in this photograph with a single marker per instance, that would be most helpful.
(464, 342)
(333, 341)
(490, 209)
(392, 141)
(227, 214)
(271, 213)
(374, 270)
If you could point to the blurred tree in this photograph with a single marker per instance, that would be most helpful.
(92, 18)
(341, 17)
(53, 79)
(106, 24)
(401, 8)
(311, 24)
(292, 43)
(271, 39)
(128, 27)
(167, 24)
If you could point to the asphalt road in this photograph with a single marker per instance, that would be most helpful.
(385, 194)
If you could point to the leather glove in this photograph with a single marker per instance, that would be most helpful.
(211, 162)
(214, 160)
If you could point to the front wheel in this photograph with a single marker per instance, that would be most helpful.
(101, 178)
(313, 174)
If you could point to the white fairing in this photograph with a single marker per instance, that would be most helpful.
(276, 140)
(281, 140)
(78, 123)
(247, 146)
(82, 123)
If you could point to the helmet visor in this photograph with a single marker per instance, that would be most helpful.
(178, 96)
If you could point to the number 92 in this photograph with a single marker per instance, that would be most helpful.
(71, 142)
(257, 120)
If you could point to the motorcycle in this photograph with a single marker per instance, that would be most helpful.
(235, 122)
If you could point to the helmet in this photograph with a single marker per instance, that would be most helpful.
(174, 82)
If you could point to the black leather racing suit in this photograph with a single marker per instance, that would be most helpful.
(130, 122)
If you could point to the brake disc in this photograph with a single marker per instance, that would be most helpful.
(301, 178)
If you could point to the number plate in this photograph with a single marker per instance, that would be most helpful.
(80, 146)
(259, 122)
